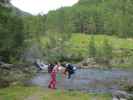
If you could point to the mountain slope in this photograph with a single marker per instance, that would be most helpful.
(111, 17)
(16, 11)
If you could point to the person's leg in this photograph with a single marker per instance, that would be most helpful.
(50, 84)
(69, 75)
(54, 84)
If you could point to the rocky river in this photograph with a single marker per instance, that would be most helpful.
(89, 80)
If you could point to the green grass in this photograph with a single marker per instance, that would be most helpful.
(79, 40)
(78, 44)
(78, 47)
(16, 93)
(23, 93)
(82, 40)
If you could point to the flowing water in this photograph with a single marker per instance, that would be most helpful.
(89, 80)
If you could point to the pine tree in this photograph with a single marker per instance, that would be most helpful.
(92, 47)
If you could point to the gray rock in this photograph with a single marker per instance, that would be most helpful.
(10, 73)
(122, 95)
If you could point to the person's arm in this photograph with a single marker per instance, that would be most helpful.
(56, 68)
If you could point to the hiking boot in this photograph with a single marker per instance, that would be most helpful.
(49, 86)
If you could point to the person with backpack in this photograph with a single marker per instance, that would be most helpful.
(70, 69)
(52, 83)
(50, 68)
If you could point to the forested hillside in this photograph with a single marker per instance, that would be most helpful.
(51, 35)
(111, 17)
(90, 17)
(92, 34)
(11, 34)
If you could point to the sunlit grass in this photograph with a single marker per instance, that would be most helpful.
(22, 93)
(16, 93)
(79, 40)
(82, 40)
(78, 43)
(77, 46)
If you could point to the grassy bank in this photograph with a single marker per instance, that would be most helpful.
(76, 48)
(79, 43)
(36, 93)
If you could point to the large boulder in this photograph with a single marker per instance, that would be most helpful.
(122, 95)
(88, 63)
(10, 73)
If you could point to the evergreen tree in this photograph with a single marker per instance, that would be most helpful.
(11, 34)
(107, 49)
(92, 47)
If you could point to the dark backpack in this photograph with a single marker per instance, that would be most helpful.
(50, 68)
(70, 68)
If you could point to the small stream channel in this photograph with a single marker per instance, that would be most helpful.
(88, 80)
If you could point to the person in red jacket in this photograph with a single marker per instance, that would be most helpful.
(52, 83)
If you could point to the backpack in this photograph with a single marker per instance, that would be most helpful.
(50, 68)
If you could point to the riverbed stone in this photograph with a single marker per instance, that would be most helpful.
(88, 63)
(15, 72)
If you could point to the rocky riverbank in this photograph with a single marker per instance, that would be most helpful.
(91, 63)
(11, 73)
(102, 64)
